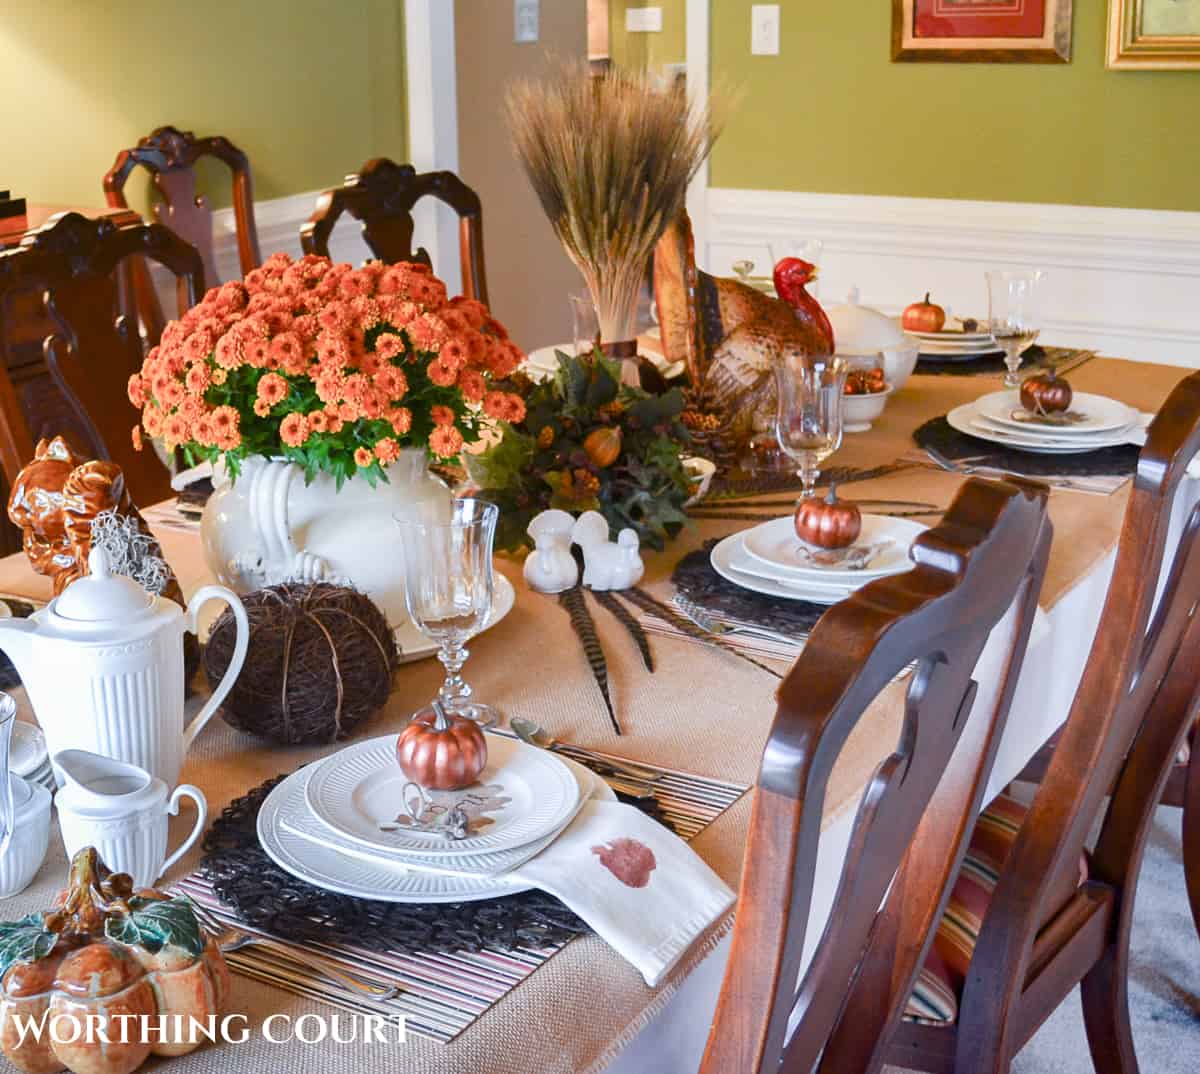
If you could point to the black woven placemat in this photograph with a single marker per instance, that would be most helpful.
(699, 584)
(269, 898)
(1103, 462)
(1036, 359)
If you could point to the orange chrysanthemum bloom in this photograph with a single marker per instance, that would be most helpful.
(219, 376)
(197, 379)
(363, 457)
(391, 381)
(136, 390)
(387, 450)
(136, 434)
(273, 389)
(445, 441)
(472, 385)
(400, 420)
(293, 430)
(442, 375)
(318, 421)
(224, 419)
(262, 408)
(388, 345)
(442, 415)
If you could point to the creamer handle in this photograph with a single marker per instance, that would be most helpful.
(202, 597)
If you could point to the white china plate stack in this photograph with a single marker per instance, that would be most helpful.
(1107, 423)
(28, 756)
(767, 559)
(543, 362)
(951, 346)
(334, 824)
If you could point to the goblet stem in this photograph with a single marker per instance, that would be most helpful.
(1012, 361)
(809, 469)
(455, 688)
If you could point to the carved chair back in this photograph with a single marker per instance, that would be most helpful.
(988, 556)
(170, 155)
(381, 197)
(79, 388)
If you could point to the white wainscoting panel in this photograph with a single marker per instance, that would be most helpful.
(1124, 281)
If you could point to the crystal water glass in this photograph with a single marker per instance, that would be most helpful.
(448, 586)
(808, 423)
(585, 323)
(1014, 316)
(8, 716)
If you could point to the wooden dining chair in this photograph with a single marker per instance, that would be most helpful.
(1057, 916)
(381, 197)
(170, 156)
(77, 386)
(988, 555)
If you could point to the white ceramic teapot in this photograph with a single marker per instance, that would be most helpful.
(103, 664)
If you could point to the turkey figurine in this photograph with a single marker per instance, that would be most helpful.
(730, 336)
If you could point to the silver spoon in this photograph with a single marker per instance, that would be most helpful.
(536, 735)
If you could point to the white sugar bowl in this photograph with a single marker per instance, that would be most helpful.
(26, 851)
(866, 337)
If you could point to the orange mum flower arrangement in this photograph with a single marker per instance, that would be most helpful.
(331, 367)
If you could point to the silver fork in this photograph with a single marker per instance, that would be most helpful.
(710, 626)
(963, 466)
(230, 938)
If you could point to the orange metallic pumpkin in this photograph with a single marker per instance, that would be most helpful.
(441, 751)
(828, 522)
(1046, 394)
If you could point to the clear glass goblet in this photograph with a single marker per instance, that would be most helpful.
(8, 716)
(808, 423)
(448, 587)
(1014, 316)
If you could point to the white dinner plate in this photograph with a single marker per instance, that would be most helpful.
(358, 794)
(1132, 434)
(27, 750)
(496, 863)
(951, 336)
(543, 362)
(775, 543)
(965, 419)
(1102, 414)
(415, 646)
(328, 868)
(731, 561)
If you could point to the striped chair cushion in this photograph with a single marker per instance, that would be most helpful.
(934, 1000)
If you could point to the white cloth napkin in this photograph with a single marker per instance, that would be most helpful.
(640, 887)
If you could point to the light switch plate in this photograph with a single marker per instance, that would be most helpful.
(525, 21)
(643, 20)
(764, 29)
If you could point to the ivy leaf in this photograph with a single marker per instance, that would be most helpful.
(25, 940)
(157, 923)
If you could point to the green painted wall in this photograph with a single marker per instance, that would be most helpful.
(654, 50)
(832, 113)
(310, 89)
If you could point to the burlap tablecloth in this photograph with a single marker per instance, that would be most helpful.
(702, 711)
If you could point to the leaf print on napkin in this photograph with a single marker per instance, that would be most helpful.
(628, 860)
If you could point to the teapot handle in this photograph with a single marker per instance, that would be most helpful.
(202, 597)
(186, 790)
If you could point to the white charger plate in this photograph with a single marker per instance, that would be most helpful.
(415, 646)
(775, 543)
(333, 870)
(1102, 413)
(359, 788)
(27, 751)
(731, 561)
(965, 419)
(304, 824)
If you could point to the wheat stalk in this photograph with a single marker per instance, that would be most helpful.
(610, 159)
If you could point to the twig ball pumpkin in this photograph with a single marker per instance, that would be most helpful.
(441, 751)
(1046, 393)
(320, 662)
(828, 522)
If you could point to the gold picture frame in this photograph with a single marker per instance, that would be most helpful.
(1131, 48)
(958, 44)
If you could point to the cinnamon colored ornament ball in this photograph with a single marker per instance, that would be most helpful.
(320, 662)
(828, 522)
(441, 751)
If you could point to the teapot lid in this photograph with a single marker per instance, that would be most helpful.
(861, 330)
(101, 596)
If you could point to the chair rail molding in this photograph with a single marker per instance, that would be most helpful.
(1124, 281)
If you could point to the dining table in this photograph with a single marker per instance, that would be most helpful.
(704, 711)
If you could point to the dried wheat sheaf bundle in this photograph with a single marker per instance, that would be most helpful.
(610, 159)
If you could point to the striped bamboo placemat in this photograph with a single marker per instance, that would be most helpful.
(443, 994)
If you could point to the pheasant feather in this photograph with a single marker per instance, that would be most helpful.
(585, 629)
(627, 620)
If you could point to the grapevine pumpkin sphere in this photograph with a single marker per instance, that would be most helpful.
(1046, 394)
(105, 963)
(828, 522)
(441, 751)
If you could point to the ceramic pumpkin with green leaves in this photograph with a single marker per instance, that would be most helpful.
(117, 957)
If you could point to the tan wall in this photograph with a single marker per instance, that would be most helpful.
(529, 277)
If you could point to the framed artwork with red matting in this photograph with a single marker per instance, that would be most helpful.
(988, 31)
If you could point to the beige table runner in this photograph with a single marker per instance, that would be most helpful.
(703, 711)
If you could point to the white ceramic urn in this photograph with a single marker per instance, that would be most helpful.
(268, 526)
(103, 664)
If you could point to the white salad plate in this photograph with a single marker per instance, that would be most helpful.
(543, 362)
(732, 562)
(415, 646)
(966, 419)
(496, 863)
(324, 866)
(775, 543)
(358, 794)
(1132, 434)
(952, 337)
(1101, 413)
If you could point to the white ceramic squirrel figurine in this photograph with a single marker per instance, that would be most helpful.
(550, 567)
(607, 564)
